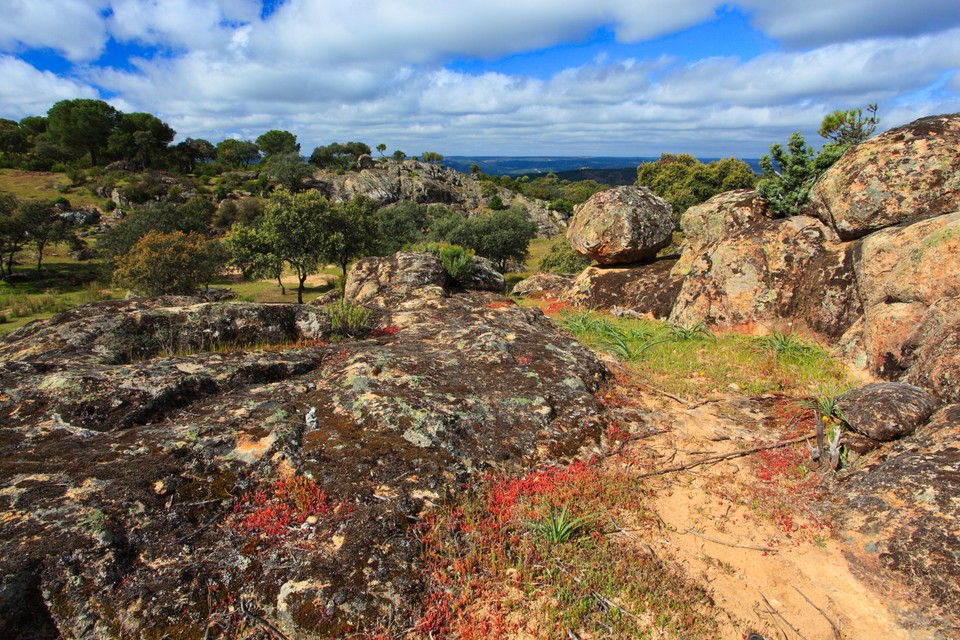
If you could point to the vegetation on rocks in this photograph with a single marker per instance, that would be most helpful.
(684, 181)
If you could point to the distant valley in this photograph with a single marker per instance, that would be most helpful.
(605, 169)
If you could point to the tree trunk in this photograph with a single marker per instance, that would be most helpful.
(283, 290)
(40, 256)
(302, 279)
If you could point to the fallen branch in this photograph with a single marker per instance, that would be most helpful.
(728, 544)
(725, 456)
(836, 629)
(785, 621)
(648, 387)
(269, 628)
(634, 438)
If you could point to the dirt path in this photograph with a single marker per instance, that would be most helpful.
(752, 527)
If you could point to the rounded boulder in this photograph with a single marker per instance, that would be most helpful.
(621, 226)
(886, 411)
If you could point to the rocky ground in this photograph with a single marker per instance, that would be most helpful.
(164, 458)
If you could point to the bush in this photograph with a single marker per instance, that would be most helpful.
(789, 174)
(501, 236)
(168, 263)
(456, 261)
(561, 258)
(684, 181)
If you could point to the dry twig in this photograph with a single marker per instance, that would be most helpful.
(836, 629)
(785, 621)
(728, 544)
(724, 456)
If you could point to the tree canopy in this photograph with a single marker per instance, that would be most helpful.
(237, 153)
(501, 236)
(167, 263)
(684, 181)
(139, 139)
(83, 124)
(338, 155)
(275, 142)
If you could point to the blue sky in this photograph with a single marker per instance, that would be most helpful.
(489, 77)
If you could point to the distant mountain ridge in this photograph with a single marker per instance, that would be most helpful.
(531, 165)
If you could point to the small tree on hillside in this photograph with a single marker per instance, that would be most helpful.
(788, 175)
(249, 250)
(294, 230)
(43, 227)
(167, 263)
(849, 127)
(381, 148)
(275, 142)
(432, 157)
(13, 231)
(288, 169)
(237, 153)
(352, 231)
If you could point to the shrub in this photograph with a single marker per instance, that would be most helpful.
(789, 174)
(167, 263)
(684, 181)
(561, 258)
(456, 261)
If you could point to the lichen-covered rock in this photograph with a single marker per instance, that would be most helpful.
(762, 270)
(904, 175)
(909, 282)
(541, 283)
(621, 226)
(647, 289)
(721, 215)
(900, 519)
(885, 411)
(143, 498)
(483, 277)
(384, 281)
(388, 181)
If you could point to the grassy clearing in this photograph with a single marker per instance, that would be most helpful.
(43, 185)
(538, 248)
(691, 361)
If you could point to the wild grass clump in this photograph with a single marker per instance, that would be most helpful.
(93, 292)
(24, 305)
(348, 319)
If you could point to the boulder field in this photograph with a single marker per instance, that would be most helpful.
(873, 266)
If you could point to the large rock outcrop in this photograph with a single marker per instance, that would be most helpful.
(900, 517)
(622, 225)
(168, 463)
(904, 175)
(388, 181)
(652, 290)
(885, 411)
(875, 267)
(740, 267)
(909, 282)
